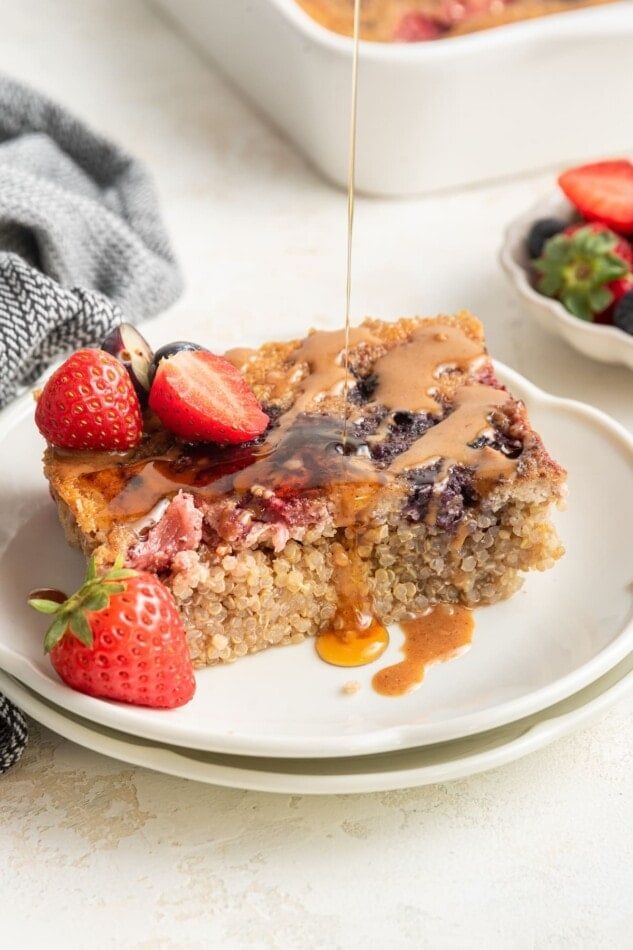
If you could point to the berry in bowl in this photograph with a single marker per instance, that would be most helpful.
(571, 260)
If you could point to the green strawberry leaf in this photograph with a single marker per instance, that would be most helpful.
(55, 632)
(577, 269)
(609, 268)
(577, 304)
(120, 574)
(93, 596)
(550, 285)
(111, 588)
(81, 628)
(600, 299)
(96, 600)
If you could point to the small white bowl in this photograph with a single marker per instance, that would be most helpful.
(603, 343)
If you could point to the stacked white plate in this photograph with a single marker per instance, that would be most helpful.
(547, 661)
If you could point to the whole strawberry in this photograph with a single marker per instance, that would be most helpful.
(90, 403)
(120, 637)
(588, 268)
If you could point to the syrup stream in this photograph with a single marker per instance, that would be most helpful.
(351, 181)
(356, 637)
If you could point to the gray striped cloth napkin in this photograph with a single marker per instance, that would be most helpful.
(81, 244)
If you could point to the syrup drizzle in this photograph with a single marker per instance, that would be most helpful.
(351, 182)
(356, 637)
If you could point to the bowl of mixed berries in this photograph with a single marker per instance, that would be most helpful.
(570, 258)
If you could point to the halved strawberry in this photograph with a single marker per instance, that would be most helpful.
(602, 191)
(202, 397)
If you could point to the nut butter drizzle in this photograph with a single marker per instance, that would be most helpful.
(440, 633)
(409, 373)
(450, 440)
(304, 451)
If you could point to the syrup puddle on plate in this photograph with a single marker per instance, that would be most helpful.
(353, 647)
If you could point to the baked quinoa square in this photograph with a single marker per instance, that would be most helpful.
(403, 477)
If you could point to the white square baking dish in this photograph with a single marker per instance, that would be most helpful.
(430, 115)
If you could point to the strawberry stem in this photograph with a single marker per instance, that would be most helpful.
(92, 596)
(577, 270)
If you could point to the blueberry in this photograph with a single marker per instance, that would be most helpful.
(170, 349)
(623, 313)
(457, 494)
(540, 232)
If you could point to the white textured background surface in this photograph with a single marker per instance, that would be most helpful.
(538, 854)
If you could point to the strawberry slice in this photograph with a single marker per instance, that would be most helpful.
(201, 397)
(602, 192)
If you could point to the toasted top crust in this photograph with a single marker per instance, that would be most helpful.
(422, 400)
(276, 371)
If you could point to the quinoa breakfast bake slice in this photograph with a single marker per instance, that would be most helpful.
(402, 478)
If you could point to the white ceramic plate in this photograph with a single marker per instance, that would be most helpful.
(603, 343)
(370, 773)
(563, 630)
